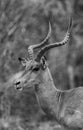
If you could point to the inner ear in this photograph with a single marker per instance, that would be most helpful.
(22, 61)
(43, 62)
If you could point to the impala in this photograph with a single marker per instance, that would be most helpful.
(65, 106)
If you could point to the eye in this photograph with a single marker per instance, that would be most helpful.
(36, 68)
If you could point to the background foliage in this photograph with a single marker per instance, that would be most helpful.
(25, 22)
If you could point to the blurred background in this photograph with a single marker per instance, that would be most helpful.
(25, 22)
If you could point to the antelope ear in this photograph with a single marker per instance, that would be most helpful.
(43, 62)
(22, 61)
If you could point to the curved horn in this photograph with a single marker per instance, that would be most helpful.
(30, 52)
(43, 43)
(64, 41)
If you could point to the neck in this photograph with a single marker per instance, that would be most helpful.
(48, 95)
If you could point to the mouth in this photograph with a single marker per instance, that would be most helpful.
(20, 86)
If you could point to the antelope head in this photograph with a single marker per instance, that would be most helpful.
(36, 67)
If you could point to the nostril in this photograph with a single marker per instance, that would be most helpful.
(17, 83)
(18, 86)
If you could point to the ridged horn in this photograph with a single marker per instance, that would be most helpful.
(63, 42)
(43, 43)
